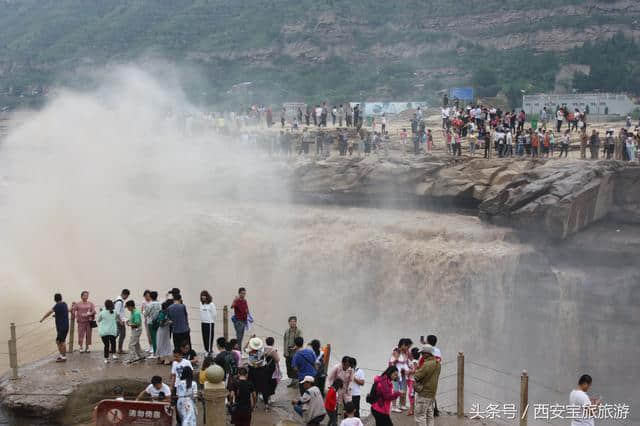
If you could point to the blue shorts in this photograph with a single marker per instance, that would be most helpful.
(61, 335)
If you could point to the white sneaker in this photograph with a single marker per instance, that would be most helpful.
(114, 357)
(152, 357)
(106, 361)
(396, 410)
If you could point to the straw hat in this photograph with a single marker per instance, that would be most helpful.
(256, 344)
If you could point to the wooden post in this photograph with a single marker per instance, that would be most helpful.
(13, 352)
(225, 322)
(524, 397)
(72, 326)
(460, 401)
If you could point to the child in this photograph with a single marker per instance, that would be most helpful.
(331, 402)
(202, 377)
(413, 365)
(350, 418)
(118, 393)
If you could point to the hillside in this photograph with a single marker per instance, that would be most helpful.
(290, 50)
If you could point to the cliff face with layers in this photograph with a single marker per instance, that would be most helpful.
(399, 48)
(558, 198)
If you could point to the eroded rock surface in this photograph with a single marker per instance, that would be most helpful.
(554, 196)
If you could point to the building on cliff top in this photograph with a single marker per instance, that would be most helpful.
(594, 103)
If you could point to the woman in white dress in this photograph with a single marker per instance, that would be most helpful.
(163, 337)
(186, 391)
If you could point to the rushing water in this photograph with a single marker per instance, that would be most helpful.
(92, 199)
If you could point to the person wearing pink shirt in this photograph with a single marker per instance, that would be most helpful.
(83, 312)
(385, 394)
(345, 373)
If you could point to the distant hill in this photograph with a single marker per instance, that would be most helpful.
(333, 49)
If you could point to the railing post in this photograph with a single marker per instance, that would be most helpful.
(225, 322)
(13, 352)
(460, 401)
(72, 326)
(524, 397)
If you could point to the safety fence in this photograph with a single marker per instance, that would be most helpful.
(496, 393)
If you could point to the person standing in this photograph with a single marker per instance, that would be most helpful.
(135, 322)
(401, 359)
(340, 115)
(559, 119)
(356, 387)
(331, 402)
(108, 329)
(240, 314)
(579, 397)
(426, 386)
(60, 312)
(243, 397)
(186, 392)
(122, 318)
(564, 145)
(487, 145)
(304, 361)
(151, 312)
(583, 145)
(207, 320)
(344, 373)
(289, 346)
(384, 394)
(272, 358)
(259, 374)
(163, 335)
(269, 117)
(84, 312)
(594, 144)
(179, 321)
(146, 300)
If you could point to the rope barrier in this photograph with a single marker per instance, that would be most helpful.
(491, 368)
(38, 331)
(34, 333)
(489, 383)
(448, 376)
(546, 387)
(27, 324)
(484, 397)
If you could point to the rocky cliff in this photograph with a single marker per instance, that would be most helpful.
(557, 197)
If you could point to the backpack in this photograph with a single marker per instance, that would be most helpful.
(372, 396)
(229, 366)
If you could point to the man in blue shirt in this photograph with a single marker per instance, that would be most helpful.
(179, 322)
(304, 361)
(61, 313)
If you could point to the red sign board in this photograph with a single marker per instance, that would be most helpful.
(125, 413)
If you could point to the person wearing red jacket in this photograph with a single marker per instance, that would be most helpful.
(384, 396)
(331, 402)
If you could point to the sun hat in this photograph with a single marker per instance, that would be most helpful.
(256, 344)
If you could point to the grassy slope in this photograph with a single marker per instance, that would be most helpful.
(39, 39)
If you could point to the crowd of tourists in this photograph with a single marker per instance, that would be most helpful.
(251, 366)
(498, 133)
